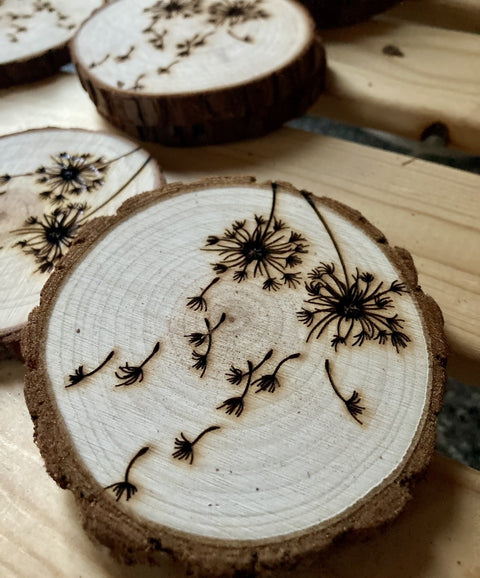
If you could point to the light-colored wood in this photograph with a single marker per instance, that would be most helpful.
(34, 36)
(318, 343)
(52, 182)
(436, 79)
(200, 72)
(430, 210)
(41, 534)
(451, 14)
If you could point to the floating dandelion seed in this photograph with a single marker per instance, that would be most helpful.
(132, 374)
(270, 382)
(352, 403)
(125, 486)
(197, 339)
(80, 375)
(199, 303)
(184, 448)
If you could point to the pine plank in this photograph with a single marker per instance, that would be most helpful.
(41, 535)
(436, 79)
(430, 210)
(451, 14)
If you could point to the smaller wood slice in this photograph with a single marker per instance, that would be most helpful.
(34, 36)
(333, 13)
(234, 375)
(194, 72)
(53, 181)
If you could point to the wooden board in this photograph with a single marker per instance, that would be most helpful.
(430, 210)
(426, 75)
(41, 534)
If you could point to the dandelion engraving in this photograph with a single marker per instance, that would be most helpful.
(79, 374)
(352, 403)
(125, 486)
(198, 339)
(49, 237)
(357, 305)
(233, 12)
(265, 249)
(184, 448)
(132, 374)
(267, 382)
(199, 303)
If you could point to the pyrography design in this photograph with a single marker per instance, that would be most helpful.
(126, 486)
(47, 238)
(358, 305)
(19, 23)
(184, 448)
(268, 382)
(265, 248)
(79, 374)
(198, 339)
(130, 374)
(161, 32)
(352, 403)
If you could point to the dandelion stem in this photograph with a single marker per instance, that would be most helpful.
(209, 285)
(104, 362)
(272, 210)
(293, 356)
(123, 156)
(120, 190)
(308, 198)
(134, 459)
(204, 432)
(155, 350)
(332, 383)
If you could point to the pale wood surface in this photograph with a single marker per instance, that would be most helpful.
(41, 535)
(318, 457)
(430, 210)
(82, 174)
(436, 79)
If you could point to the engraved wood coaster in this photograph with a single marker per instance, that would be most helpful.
(190, 72)
(234, 374)
(34, 36)
(330, 14)
(52, 181)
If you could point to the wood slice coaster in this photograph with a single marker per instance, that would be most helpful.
(34, 36)
(234, 375)
(330, 14)
(190, 72)
(52, 181)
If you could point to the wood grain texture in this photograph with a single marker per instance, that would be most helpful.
(52, 182)
(432, 78)
(450, 14)
(430, 210)
(41, 533)
(294, 493)
(34, 37)
(192, 73)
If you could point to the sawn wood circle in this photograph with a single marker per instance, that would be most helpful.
(234, 375)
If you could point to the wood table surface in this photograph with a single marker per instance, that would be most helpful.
(432, 211)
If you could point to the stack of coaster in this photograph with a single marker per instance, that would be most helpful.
(190, 72)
